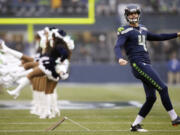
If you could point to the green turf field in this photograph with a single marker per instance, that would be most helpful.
(99, 121)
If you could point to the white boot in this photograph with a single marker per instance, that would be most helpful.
(25, 81)
(40, 103)
(4, 70)
(11, 51)
(25, 73)
(46, 108)
(54, 105)
(17, 75)
(37, 107)
(33, 102)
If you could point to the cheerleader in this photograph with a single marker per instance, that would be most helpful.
(54, 64)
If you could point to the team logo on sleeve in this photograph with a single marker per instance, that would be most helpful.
(120, 29)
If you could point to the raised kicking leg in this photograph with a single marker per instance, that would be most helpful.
(25, 81)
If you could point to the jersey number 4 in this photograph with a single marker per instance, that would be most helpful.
(142, 41)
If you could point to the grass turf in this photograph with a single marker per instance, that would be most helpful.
(99, 121)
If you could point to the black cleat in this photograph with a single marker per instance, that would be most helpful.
(137, 128)
(176, 121)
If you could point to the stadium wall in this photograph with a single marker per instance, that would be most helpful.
(110, 23)
(106, 73)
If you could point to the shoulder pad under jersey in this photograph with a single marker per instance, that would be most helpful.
(123, 30)
(143, 27)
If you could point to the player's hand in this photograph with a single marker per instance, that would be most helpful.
(122, 62)
(178, 34)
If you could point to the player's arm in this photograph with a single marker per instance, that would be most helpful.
(117, 49)
(161, 37)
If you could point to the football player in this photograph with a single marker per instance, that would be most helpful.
(133, 37)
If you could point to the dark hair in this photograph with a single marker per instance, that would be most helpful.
(37, 37)
(62, 33)
(58, 42)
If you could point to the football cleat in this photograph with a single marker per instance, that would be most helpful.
(137, 128)
(176, 121)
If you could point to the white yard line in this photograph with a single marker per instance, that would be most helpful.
(89, 117)
(88, 123)
(23, 131)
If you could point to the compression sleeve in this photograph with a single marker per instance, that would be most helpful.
(120, 42)
(160, 37)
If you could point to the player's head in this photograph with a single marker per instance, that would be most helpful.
(132, 13)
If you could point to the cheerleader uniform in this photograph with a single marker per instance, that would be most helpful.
(48, 62)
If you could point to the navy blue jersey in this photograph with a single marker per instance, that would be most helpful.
(133, 39)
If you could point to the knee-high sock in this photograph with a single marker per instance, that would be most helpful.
(172, 114)
(138, 120)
